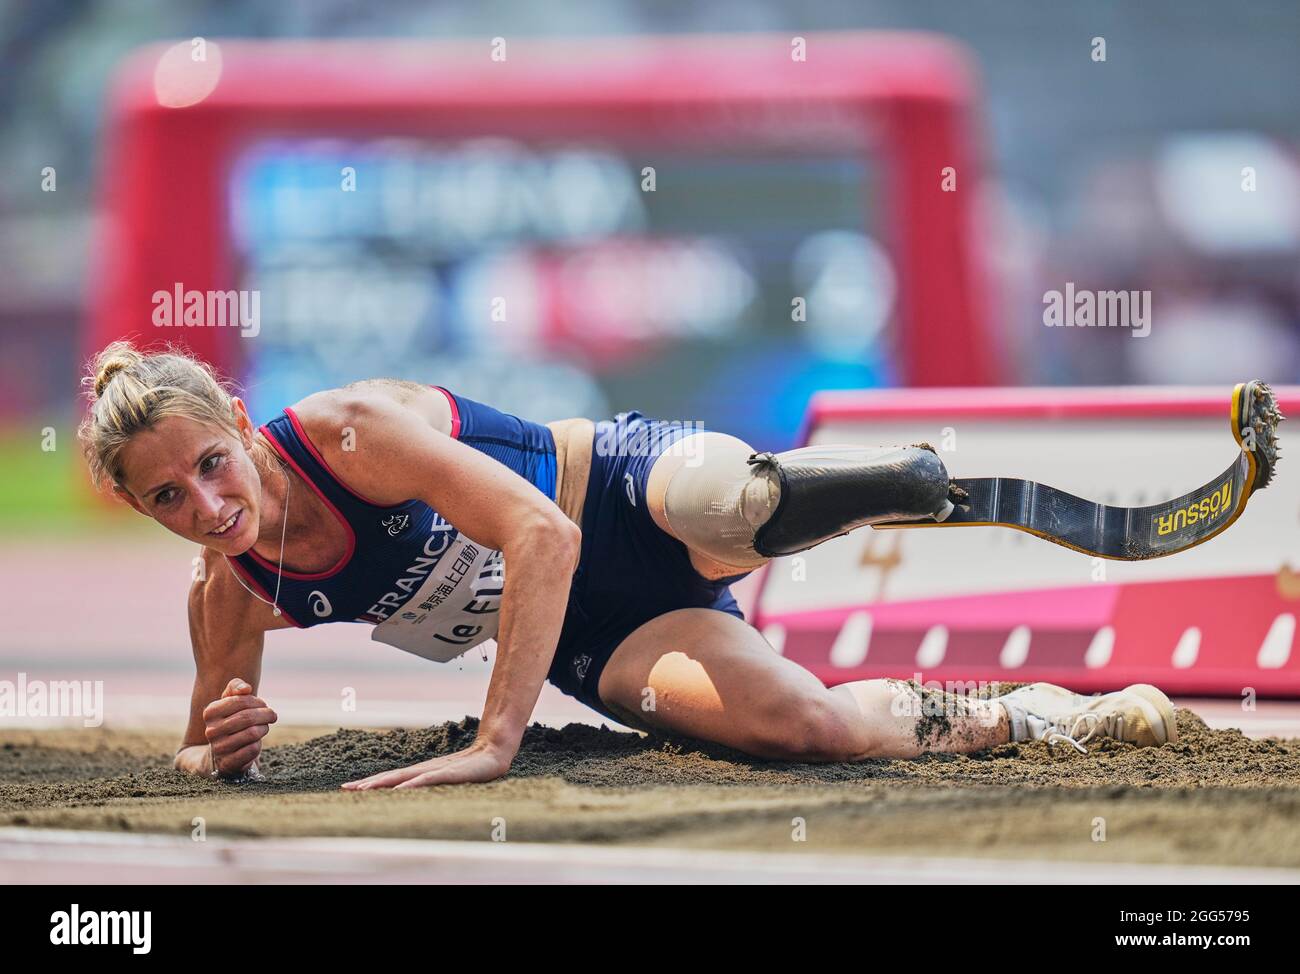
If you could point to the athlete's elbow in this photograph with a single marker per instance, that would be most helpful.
(552, 536)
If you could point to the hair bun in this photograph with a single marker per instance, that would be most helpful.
(112, 360)
(106, 374)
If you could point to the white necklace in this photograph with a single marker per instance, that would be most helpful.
(279, 571)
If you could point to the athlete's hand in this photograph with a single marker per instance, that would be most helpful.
(478, 762)
(235, 726)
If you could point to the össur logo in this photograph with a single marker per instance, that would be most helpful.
(102, 927)
(395, 523)
(1206, 509)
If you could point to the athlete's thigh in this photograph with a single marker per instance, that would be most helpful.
(707, 674)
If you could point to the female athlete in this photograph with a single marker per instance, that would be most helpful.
(597, 554)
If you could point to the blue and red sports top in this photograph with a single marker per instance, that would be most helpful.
(426, 587)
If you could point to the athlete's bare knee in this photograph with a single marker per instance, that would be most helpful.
(813, 728)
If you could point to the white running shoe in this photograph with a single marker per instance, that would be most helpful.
(1139, 714)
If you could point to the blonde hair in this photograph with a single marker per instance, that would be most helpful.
(131, 390)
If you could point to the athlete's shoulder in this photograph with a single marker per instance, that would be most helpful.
(374, 438)
(331, 412)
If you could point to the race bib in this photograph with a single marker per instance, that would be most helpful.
(456, 608)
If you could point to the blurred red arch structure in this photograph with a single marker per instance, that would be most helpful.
(906, 99)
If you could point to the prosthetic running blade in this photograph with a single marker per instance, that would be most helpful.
(1128, 533)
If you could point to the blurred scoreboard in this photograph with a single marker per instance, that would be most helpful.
(701, 228)
(546, 280)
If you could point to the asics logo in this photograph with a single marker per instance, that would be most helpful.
(630, 488)
(320, 605)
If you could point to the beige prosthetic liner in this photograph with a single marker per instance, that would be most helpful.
(715, 500)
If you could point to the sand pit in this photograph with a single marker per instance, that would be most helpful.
(1216, 797)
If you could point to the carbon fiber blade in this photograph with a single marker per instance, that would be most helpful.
(1123, 533)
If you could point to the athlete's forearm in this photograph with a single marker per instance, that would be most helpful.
(539, 566)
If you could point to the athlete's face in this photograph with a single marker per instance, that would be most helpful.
(196, 480)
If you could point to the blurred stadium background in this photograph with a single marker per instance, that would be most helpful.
(1122, 174)
(1086, 170)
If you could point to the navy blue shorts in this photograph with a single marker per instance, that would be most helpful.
(630, 571)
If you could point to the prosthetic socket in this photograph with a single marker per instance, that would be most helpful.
(740, 507)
